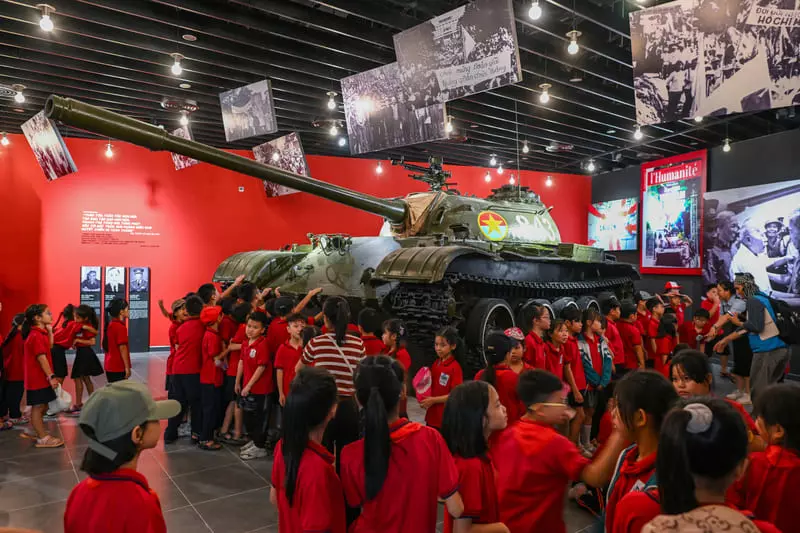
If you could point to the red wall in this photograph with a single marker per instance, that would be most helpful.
(199, 213)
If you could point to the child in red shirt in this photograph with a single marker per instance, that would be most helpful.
(643, 400)
(410, 467)
(573, 371)
(176, 318)
(253, 383)
(63, 339)
(211, 376)
(632, 341)
(498, 375)
(538, 317)
(369, 327)
(394, 339)
(445, 374)
(702, 449)
(117, 360)
(13, 350)
(233, 413)
(86, 364)
(693, 332)
(597, 366)
(534, 462)
(473, 413)
(288, 355)
(305, 488)
(557, 338)
(771, 484)
(612, 310)
(665, 341)
(516, 357)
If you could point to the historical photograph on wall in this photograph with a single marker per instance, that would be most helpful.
(468, 50)
(715, 57)
(181, 161)
(285, 153)
(614, 225)
(380, 115)
(756, 230)
(48, 147)
(672, 214)
(90, 279)
(248, 111)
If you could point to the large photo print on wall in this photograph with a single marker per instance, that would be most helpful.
(672, 198)
(285, 153)
(714, 57)
(756, 230)
(248, 111)
(48, 147)
(614, 225)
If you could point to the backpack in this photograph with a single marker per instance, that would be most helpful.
(787, 320)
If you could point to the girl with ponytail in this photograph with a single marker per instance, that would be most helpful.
(63, 340)
(702, 452)
(117, 362)
(399, 471)
(394, 338)
(497, 372)
(446, 374)
(305, 487)
(86, 364)
(13, 373)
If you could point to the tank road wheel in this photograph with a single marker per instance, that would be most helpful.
(588, 302)
(488, 314)
(562, 303)
(522, 312)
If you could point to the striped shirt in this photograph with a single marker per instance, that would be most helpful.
(341, 361)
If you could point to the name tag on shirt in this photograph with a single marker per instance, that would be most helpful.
(444, 379)
(253, 353)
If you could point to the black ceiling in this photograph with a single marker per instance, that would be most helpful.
(116, 54)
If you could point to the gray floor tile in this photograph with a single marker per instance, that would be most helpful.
(189, 460)
(218, 483)
(185, 520)
(48, 518)
(227, 515)
(34, 464)
(169, 494)
(34, 491)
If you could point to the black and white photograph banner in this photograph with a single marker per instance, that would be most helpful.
(756, 230)
(181, 161)
(139, 320)
(285, 153)
(248, 111)
(48, 147)
(715, 57)
(468, 50)
(90, 291)
(380, 115)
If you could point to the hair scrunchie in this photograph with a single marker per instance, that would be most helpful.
(700, 418)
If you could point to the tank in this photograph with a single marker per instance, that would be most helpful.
(441, 259)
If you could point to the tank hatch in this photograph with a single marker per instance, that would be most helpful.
(515, 193)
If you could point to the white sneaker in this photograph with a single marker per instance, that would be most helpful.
(247, 447)
(744, 399)
(185, 430)
(253, 453)
(735, 395)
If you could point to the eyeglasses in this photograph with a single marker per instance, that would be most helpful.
(551, 404)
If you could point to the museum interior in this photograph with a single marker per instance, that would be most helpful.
(233, 225)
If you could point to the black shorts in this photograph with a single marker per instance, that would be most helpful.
(572, 402)
(228, 391)
(59, 356)
(113, 377)
(167, 382)
(40, 396)
(590, 398)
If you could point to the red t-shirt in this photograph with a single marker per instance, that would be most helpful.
(121, 502)
(554, 359)
(651, 333)
(633, 475)
(680, 312)
(477, 489)
(65, 335)
(405, 359)
(233, 356)
(189, 353)
(210, 373)
(604, 431)
(446, 375)
(173, 345)
(14, 359)
(117, 334)
(505, 382)
(664, 346)
(770, 487)
(631, 338)
(688, 334)
(534, 463)
(277, 334)
(572, 357)
(227, 328)
(748, 420)
(254, 355)
(615, 342)
(707, 305)
(534, 350)
(421, 471)
(37, 343)
(643, 320)
(373, 345)
(594, 354)
(286, 359)
(318, 502)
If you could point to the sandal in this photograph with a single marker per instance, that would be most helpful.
(21, 421)
(29, 436)
(229, 438)
(49, 441)
(210, 446)
(6, 425)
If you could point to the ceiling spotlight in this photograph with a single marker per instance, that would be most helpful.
(185, 85)
(46, 23)
(727, 146)
(4, 140)
(535, 12)
(573, 47)
(189, 37)
(638, 133)
(591, 166)
(525, 148)
(334, 131)
(177, 69)
(545, 96)
(488, 177)
(18, 97)
(276, 156)
(511, 180)
(379, 168)
(698, 118)
(549, 181)
(109, 151)
(611, 131)
(331, 100)
(500, 169)
(184, 120)
(342, 141)
(448, 127)
(493, 160)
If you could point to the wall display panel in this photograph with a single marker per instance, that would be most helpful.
(285, 153)
(248, 111)
(706, 57)
(468, 50)
(139, 320)
(672, 214)
(115, 287)
(614, 225)
(91, 285)
(756, 230)
(48, 147)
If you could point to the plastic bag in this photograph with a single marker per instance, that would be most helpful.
(422, 383)
(62, 402)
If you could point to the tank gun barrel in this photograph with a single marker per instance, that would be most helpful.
(109, 124)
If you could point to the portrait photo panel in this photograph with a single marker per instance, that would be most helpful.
(48, 147)
(248, 111)
(285, 153)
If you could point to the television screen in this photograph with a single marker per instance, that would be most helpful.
(614, 225)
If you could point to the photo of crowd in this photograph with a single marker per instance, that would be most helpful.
(285, 153)
(48, 147)
(465, 51)
(380, 115)
(614, 225)
(756, 230)
(714, 57)
(248, 111)
(181, 161)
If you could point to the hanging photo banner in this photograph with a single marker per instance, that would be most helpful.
(380, 115)
(248, 111)
(614, 225)
(285, 153)
(672, 214)
(181, 161)
(706, 57)
(48, 147)
(139, 321)
(756, 230)
(91, 284)
(468, 50)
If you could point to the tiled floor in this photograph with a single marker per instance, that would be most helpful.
(199, 490)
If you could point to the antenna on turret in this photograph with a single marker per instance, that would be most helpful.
(434, 175)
